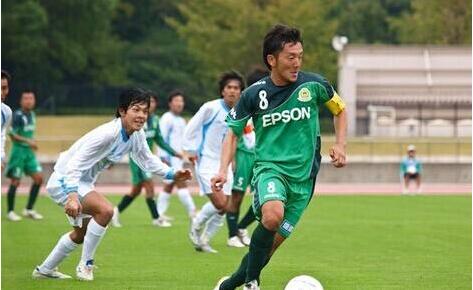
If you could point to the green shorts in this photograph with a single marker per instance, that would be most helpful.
(22, 161)
(137, 175)
(271, 185)
(243, 171)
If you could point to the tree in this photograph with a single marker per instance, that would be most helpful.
(228, 34)
(435, 22)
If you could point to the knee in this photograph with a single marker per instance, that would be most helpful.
(272, 219)
(15, 182)
(221, 205)
(38, 180)
(106, 213)
(77, 237)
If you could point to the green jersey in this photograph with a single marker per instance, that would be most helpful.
(286, 122)
(153, 135)
(24, 125)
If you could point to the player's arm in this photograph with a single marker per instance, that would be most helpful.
(337, 107)
(90, 153)
(237, 119)
(159, 140)
(147, 161)
(193, 132)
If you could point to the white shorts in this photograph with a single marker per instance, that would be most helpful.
(205, 172)
(176, 164)
(55, 190)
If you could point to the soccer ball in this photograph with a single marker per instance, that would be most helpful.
(304, 282)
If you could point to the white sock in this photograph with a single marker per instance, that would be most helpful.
(213, 225)
(207, 211)
(163, 202)
(186, 199)
(92, 238)
(62, 249)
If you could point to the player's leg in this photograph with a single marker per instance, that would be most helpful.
(101, 210)
(185, 197)
(151, 203)
(15, 168)
(418, 180)
(215, 221)
(405, 189)
(247, 219)
(34, 192)
(164, 198)
(14, 183)
(233, 211)
(66, 244)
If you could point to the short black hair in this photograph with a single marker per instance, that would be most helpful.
(228, 76)
(277, 37)
(152, 94)
(256, 74)
(175, 93)
(130, 97)
(6, 75)
(27, 91)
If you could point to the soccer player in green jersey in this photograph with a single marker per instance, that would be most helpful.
(284, 109)
(23, 158)
(142, 179)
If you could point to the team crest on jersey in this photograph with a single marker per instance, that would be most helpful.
(304, 95)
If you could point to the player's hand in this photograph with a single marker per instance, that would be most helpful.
(183, 175)
(217, 182)
(190, 157)
(179, 155)
(33, 145)
(337, 154)
(73, 207)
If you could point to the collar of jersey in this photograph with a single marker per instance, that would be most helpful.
(224, 105)
(125, 136)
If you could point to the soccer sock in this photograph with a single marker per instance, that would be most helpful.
(62, 249)
(163, 202)
(186, 199)
(152, 207)
(92, 238)
(207, 211)
(260, 247)
(232, 219)
(247, 219)
(33, 195)
(213, 225)
(238, 278)
(125, 202)
(11, 198)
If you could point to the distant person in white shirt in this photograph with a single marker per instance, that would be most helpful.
(203, 139)
(411, 169)
(72, 183)
(6, 113)
(172, 126)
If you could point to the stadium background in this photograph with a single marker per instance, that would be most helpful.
(77, 56)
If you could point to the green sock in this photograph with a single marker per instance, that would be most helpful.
(125, 202)
(33, 195)
(152, 207)
(11, 198)
(232, 223)
(238, 278)
(247, 219)
(260, 247)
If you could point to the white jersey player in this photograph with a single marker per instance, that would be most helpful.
(203, 139)
(6, 114)
(72, 183)
(172, 126)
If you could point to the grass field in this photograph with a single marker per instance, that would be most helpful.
(347, 242)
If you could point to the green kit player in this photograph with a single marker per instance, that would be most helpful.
(284, 109)
(23, 158)
(142, 179)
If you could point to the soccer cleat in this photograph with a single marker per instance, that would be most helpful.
(244, 238)
(54, 274)
(217, 287)
(235, 242)
(159, 222)
(194, 236)
(31, 213)
(166, 217)
(85, 271)
(116, 218)
(206, 248)
(11, 215)
(252, 285)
